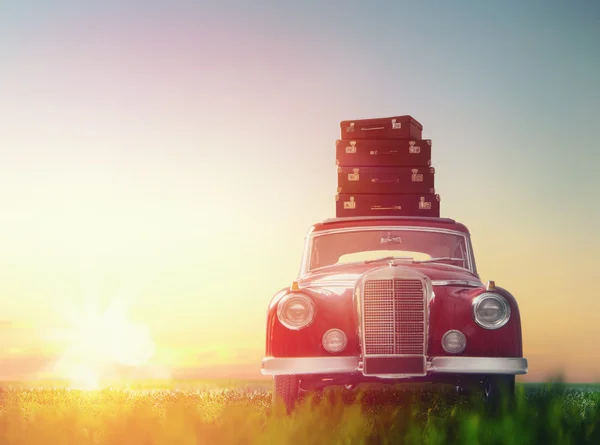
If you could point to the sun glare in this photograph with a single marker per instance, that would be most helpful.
(101, 346)
(83, 377)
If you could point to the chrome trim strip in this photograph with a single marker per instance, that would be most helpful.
(305, 260)
(378, 228)
(437, 365)
(350, 283)
(478, 365)
(466, 283)
(309, 365)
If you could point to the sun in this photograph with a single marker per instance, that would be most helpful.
(83, 377)
(100, 345)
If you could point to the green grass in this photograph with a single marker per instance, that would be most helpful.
(237, 412)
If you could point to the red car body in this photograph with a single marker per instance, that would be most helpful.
(365, 299)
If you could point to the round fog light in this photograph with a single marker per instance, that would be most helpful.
(454, 342)
(334, 340)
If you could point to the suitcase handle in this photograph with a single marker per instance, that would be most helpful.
(385, 181)
(377, 152)
(386, 208)
(372, 128)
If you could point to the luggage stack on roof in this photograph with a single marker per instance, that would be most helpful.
(384, 169)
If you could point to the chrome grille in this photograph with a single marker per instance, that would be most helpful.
(394, 317)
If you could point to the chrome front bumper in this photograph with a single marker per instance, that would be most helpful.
(435, 365)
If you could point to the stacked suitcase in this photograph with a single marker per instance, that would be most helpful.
(384, 169)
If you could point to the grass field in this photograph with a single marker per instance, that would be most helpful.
(236, 412)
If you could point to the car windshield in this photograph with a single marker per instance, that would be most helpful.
(405, 245)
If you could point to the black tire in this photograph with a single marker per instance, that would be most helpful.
(286, 390)
(467, 386)
(497, 389)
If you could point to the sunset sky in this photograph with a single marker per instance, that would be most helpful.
(170, 156)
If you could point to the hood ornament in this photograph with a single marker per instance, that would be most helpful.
(390, 239)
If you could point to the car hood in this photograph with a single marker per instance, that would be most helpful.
(347, 274)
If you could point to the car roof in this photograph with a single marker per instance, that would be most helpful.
(400, 221)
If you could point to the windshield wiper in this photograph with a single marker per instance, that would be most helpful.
(388, 258)
(434, 260)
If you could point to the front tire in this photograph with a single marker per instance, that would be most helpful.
(497, 388)
(286, 390)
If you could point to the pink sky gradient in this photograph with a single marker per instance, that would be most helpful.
(175, 159)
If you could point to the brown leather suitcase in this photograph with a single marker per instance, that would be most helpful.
(370, 180)
(373, 152)
(387, 205)
(395, 127)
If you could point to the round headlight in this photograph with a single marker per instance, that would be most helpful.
(295, 311)
(491, 311)
(454, 342)
(334, 340)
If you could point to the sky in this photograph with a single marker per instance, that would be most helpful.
(167, 160)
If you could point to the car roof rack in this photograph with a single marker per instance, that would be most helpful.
(388, 218)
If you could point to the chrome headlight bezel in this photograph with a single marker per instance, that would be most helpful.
(343, 336)
(477, 302)
(290, 299)
(460, 335)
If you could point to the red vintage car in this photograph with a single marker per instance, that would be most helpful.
(390, 300)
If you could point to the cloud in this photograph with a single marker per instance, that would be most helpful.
(4, 324)
(13, 324)
(27, 367)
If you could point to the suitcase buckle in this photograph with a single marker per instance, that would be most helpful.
(350, 204)
(424, 205)
(413, 149)
(396, 125)
(354, 176)
(351, 149)
(350, 128)
(416, 176)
